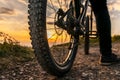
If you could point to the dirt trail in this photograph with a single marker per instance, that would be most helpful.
(86, 67)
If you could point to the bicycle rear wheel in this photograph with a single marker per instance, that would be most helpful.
(53, 46)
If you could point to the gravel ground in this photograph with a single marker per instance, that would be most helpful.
(86, 67)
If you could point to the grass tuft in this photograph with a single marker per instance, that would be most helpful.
(116, 38)
(13, 54)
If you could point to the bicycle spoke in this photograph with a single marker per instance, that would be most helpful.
(50, 5)
(66, 4)
(66, 37)
(51, 36)
(51, 8)
(59, 4)
(55, 40)
(50, 17)
(61, 38)
(52, 28)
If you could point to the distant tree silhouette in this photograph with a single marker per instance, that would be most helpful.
(5, 38)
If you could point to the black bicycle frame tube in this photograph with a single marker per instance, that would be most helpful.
(83, 14)
(80, 15)
(77, 8)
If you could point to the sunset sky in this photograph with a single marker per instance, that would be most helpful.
(13, 18)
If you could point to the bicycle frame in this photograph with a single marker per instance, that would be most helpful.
(80, 14)
(80, 11)
(59, 24)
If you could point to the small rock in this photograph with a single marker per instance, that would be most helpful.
(21, 72)
(43, 72)
(84, 74)
(21, 69)
(14, 74)
(117, 72)
(27, 64)
(3, 77)
(31, 78)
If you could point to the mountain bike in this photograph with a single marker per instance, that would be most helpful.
(56, 27)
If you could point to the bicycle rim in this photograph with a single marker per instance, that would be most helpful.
(60, 42)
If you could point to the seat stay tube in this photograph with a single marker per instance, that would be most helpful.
(83, 14)
(77, 8)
